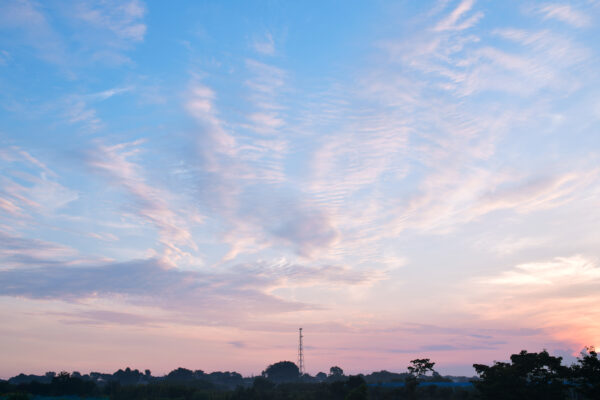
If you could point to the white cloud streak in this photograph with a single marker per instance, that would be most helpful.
(105, 30)
(565, 13)
(151, 203)
(122, 18)
(29, 186)
(556, 295)
(455, 21)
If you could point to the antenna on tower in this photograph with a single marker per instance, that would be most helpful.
(300, 353)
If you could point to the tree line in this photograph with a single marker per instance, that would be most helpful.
(535, 376)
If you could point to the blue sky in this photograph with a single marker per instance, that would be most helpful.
(402, 179)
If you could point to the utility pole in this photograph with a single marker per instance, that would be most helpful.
(300, 353)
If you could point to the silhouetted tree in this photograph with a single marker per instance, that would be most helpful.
(419, 367)
(65, 384)
(586, 374)
(533, 376)
(336, 371)
(226, 379)
(127, 376)
(181, 375)
(282, 371)
(62, 377)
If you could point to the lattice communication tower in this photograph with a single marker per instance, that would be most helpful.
(300, 353)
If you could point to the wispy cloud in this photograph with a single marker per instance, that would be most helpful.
(17, 251)
(511, 245)
(266, 84)
(455, 21)
(562, 271)
(107, 94)
(413, 149)
(81, 109)
(123, 19)
(151, 203)
(557, 295)
(542, 193)
(33, 29)
(233, 163)
(265, 45)
(564, 13)
(146, 283)
(467, 65)
(224, 296)
(105, 30)
(29, 186)
(105, 317)
(78, 112)
(109, 28)
(5, 57)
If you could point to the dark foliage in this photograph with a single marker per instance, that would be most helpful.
(167, 391)
(385, 376)
(528, 376)
(336, 371)
(353, 388)
(282, 371)
(422, 393)
(17, 396)
(533, 376)
(348, 388)
(182, 375)
(62, 384)
(420, 367)
(22, 378)
(128, 376)
(321, 376)
(225, 379)
(586, 375)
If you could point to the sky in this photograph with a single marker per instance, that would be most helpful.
(185, 185)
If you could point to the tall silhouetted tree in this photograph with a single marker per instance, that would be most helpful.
(420, 367)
